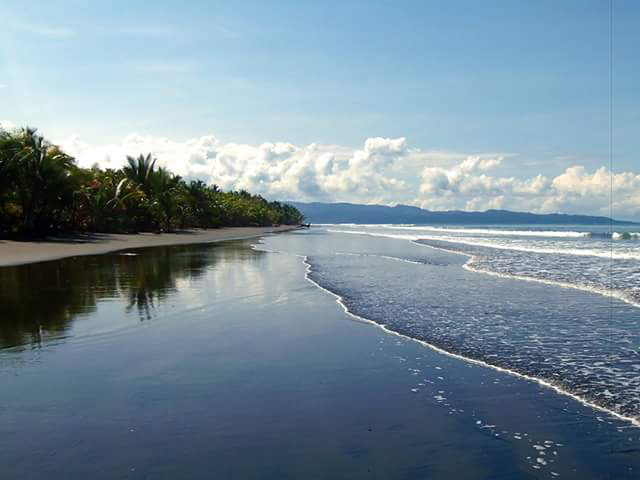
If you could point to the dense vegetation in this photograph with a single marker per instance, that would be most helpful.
(43, 191)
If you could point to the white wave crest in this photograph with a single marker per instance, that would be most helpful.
(625, 236)
(490, 231)
(488, 243)
(635, 421)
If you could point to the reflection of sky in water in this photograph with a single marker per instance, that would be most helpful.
(581, 342)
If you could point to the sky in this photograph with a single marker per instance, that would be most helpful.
(444, 105)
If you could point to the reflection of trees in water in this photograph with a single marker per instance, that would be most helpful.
(41, 300)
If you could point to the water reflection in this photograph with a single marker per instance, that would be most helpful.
(40, 301)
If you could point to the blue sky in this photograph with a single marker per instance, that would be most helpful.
(529, 80)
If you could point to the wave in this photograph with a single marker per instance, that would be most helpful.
(580, 252)
(598, 286)
(354, 225)
(635, 421)
(493, 232)
(474, 259)
(575, 390)
(625, 236)
(489, 231)
(478, 242)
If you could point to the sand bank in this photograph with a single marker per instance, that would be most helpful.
(18, 253)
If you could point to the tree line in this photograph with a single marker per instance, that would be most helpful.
(43, 191)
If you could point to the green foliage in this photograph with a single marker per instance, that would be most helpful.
(43, 191)
(140, 171)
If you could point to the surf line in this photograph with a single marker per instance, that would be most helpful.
(635, 421)
(461, 240)
(473, 258)
(340, 301)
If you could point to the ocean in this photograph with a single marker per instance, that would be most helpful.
(571, 318)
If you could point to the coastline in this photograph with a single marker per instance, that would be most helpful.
(14, 253)
(544, 383)
(248, 352)
(632, 420)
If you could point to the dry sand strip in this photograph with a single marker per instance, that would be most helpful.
(18, 253)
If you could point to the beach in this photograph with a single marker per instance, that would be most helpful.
(319, 241)
(222, 360)
(21, 252)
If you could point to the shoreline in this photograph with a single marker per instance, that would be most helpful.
(544, 383)
(286, 365)
(14, 253)
(634, 421)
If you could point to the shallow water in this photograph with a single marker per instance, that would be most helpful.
(221, 361)
(593, 258)
(585, 344)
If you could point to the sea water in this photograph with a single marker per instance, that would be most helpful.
(559, 305)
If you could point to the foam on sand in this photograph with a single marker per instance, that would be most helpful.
(633, 420)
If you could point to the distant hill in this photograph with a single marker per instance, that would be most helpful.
(353, 213)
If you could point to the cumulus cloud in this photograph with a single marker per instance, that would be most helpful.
(576, 190)
(7, 125)
(382, 170)
(279, 169)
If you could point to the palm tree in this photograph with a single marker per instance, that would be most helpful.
(41, 189)
(102, 199)
(8, 148)
(43, 178)
(140, 170)
(166, 193)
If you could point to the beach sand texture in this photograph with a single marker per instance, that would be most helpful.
(22, 252)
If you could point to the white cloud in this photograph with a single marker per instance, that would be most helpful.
(573, 191)
(7, 125)
(278, 169)
(383, 170)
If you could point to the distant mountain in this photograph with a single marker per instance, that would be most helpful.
(353, 213)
